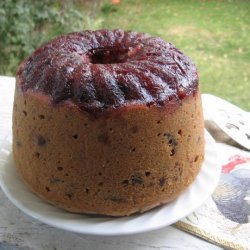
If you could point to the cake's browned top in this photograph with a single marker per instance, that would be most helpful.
(103, 69)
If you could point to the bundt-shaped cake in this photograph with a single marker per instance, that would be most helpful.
(108, 122)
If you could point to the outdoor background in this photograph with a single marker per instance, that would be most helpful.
(215, 34)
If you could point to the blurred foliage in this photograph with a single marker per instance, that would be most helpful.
(26, 24)
(107, 8)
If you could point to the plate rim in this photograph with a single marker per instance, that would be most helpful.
(6, 153)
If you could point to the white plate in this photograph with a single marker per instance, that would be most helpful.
(157, 218)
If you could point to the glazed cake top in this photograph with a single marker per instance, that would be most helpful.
(103, 69)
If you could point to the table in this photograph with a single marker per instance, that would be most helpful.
(19, 231)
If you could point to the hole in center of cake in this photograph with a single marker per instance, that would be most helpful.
(109, 55)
